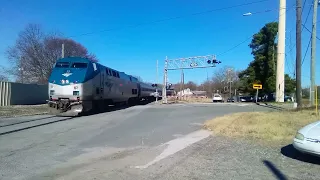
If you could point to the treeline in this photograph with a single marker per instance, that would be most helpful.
(219, 82)
(34, 53)
(306, 92)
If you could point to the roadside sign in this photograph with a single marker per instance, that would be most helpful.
(257, 86)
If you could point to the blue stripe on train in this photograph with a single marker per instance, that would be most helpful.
(79, 75)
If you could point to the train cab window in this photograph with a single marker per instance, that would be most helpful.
(107, 72)
(79, 65)
(114, 73)
(130, 78)
(62, 65)
(117, 74)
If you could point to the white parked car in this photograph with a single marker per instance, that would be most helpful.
(307, 139)
(217, 98)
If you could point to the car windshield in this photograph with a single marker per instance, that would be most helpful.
(62, 65)
(216, 96)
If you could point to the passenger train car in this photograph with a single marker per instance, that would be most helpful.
(79, 85)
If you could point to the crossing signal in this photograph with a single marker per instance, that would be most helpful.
(214, 61)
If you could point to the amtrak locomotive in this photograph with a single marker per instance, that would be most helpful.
(79, 85)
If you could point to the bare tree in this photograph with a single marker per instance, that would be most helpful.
(218, 83)
(222, 77)
(3, 75)
(34, 53)
(191, 85)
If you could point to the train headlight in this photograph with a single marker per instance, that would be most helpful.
(62, 81)
(67, 81)
(75, 87)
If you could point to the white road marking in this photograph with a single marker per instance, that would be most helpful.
(177, 135)
(177, 145)
(243, 104)
(196, 124)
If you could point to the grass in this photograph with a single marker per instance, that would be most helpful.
(23, 110)
(265, 127)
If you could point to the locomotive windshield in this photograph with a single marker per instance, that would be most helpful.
(62, 65)
(79, 65)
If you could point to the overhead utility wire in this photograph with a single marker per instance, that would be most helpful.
(305, 54)
(172, 18)
(248, 38)
(291, 47)
(309, 31)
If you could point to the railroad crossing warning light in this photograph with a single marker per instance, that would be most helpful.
(216, 61)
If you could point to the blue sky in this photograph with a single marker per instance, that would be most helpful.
(135, 50)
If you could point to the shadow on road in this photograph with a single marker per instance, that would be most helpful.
(291, 152)
(112, 108)
(107, 109)
(21, 122)
(274, 170)
(29, 127)
(271, 106)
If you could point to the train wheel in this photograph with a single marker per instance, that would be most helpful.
(129, 102)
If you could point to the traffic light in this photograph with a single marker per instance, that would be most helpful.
(169, 86)
(214, 61)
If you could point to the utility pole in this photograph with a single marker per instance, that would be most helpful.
(62, 51)
(313, 52)
(229, 80)
(182, 80)
(281, 52)
(164, 89)
(181, 84)
(157, 83)
(298, 55)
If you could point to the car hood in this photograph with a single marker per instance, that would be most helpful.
(311, 130)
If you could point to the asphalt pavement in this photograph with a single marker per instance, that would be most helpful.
(140, 142)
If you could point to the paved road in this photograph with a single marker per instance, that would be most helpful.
(141, 142)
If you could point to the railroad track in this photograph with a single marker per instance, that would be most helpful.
(12, 126)
(30, 123)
